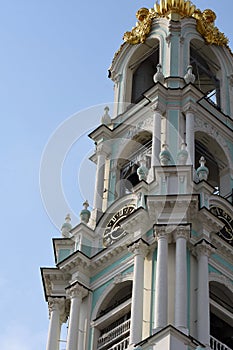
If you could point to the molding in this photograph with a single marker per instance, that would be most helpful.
(215, 277)
(113, 274)
(214, 133)
(222, 269)
(108, 289)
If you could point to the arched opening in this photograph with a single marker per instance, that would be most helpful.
(221, 313)
(216, 162)
(138, 148)
(206, 68)
(113, 318)
(143, 75)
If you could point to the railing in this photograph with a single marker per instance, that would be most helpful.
(215, 344)
(113, 334)
(123, 345)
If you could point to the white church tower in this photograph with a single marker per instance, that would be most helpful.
(151, 267)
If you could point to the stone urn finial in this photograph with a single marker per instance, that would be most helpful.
(85, 213)
(66, 227)
(159, 77)
(189, 76)
(106, 119)
(142, 171)
(202, 171)
(165, 155)
(182, 155)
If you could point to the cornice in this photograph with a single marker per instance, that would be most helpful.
(211, 222)
(51, 278)
(223, 248)
(221, 268)
(185, 206)
(101, 132)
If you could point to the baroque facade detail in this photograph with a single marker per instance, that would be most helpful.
(174, 8)
(150, 264)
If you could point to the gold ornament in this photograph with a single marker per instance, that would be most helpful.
(175, 9)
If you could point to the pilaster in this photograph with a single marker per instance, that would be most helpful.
(203, 250)
(139, 250)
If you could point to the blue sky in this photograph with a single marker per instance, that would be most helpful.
(53, 63)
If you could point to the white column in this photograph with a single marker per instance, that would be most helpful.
(99, 182)
(190, 135)
(56, 307)
(76, 293)
(204, 249)
(156, 138)
(139, 249)
(161, 282)
(181, 236)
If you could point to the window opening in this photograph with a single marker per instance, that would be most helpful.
(206, 79)
(143, 76)
(128, 173)
(211, 163)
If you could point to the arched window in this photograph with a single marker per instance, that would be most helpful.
(138, 148)
(113, 318)
(221, 314)
(205, 69)
(211, 162)
(216, 162)
(143, 76)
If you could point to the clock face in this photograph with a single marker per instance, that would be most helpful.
(227, 231)
(113, 230)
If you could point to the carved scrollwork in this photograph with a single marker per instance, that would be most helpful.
(142, 29)
(179, 9)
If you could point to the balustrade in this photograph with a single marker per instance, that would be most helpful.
(123, 345)
(113, 335)
(215, 344)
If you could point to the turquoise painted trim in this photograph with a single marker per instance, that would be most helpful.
(188, 288)
(173, 132)
(194, 233)
(109, 268)
(86, 249)
(149, 233)
(222, 261)
(154, 262)
(213, 269)
(99, 291)
(111, 187)
(227, 95)
(175, 54)
(63, 254)
(182, 185)
(86, 246)
(91, 339)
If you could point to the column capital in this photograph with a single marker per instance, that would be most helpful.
(204, 248)
(189, 108)
(103, 148)
(182, 231)
(158, 108)
(139, 248)
(56, 304)
(163, 231)
(76, 291)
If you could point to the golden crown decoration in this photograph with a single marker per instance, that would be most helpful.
(175, 10)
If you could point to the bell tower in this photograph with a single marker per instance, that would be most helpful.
(150, 267)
